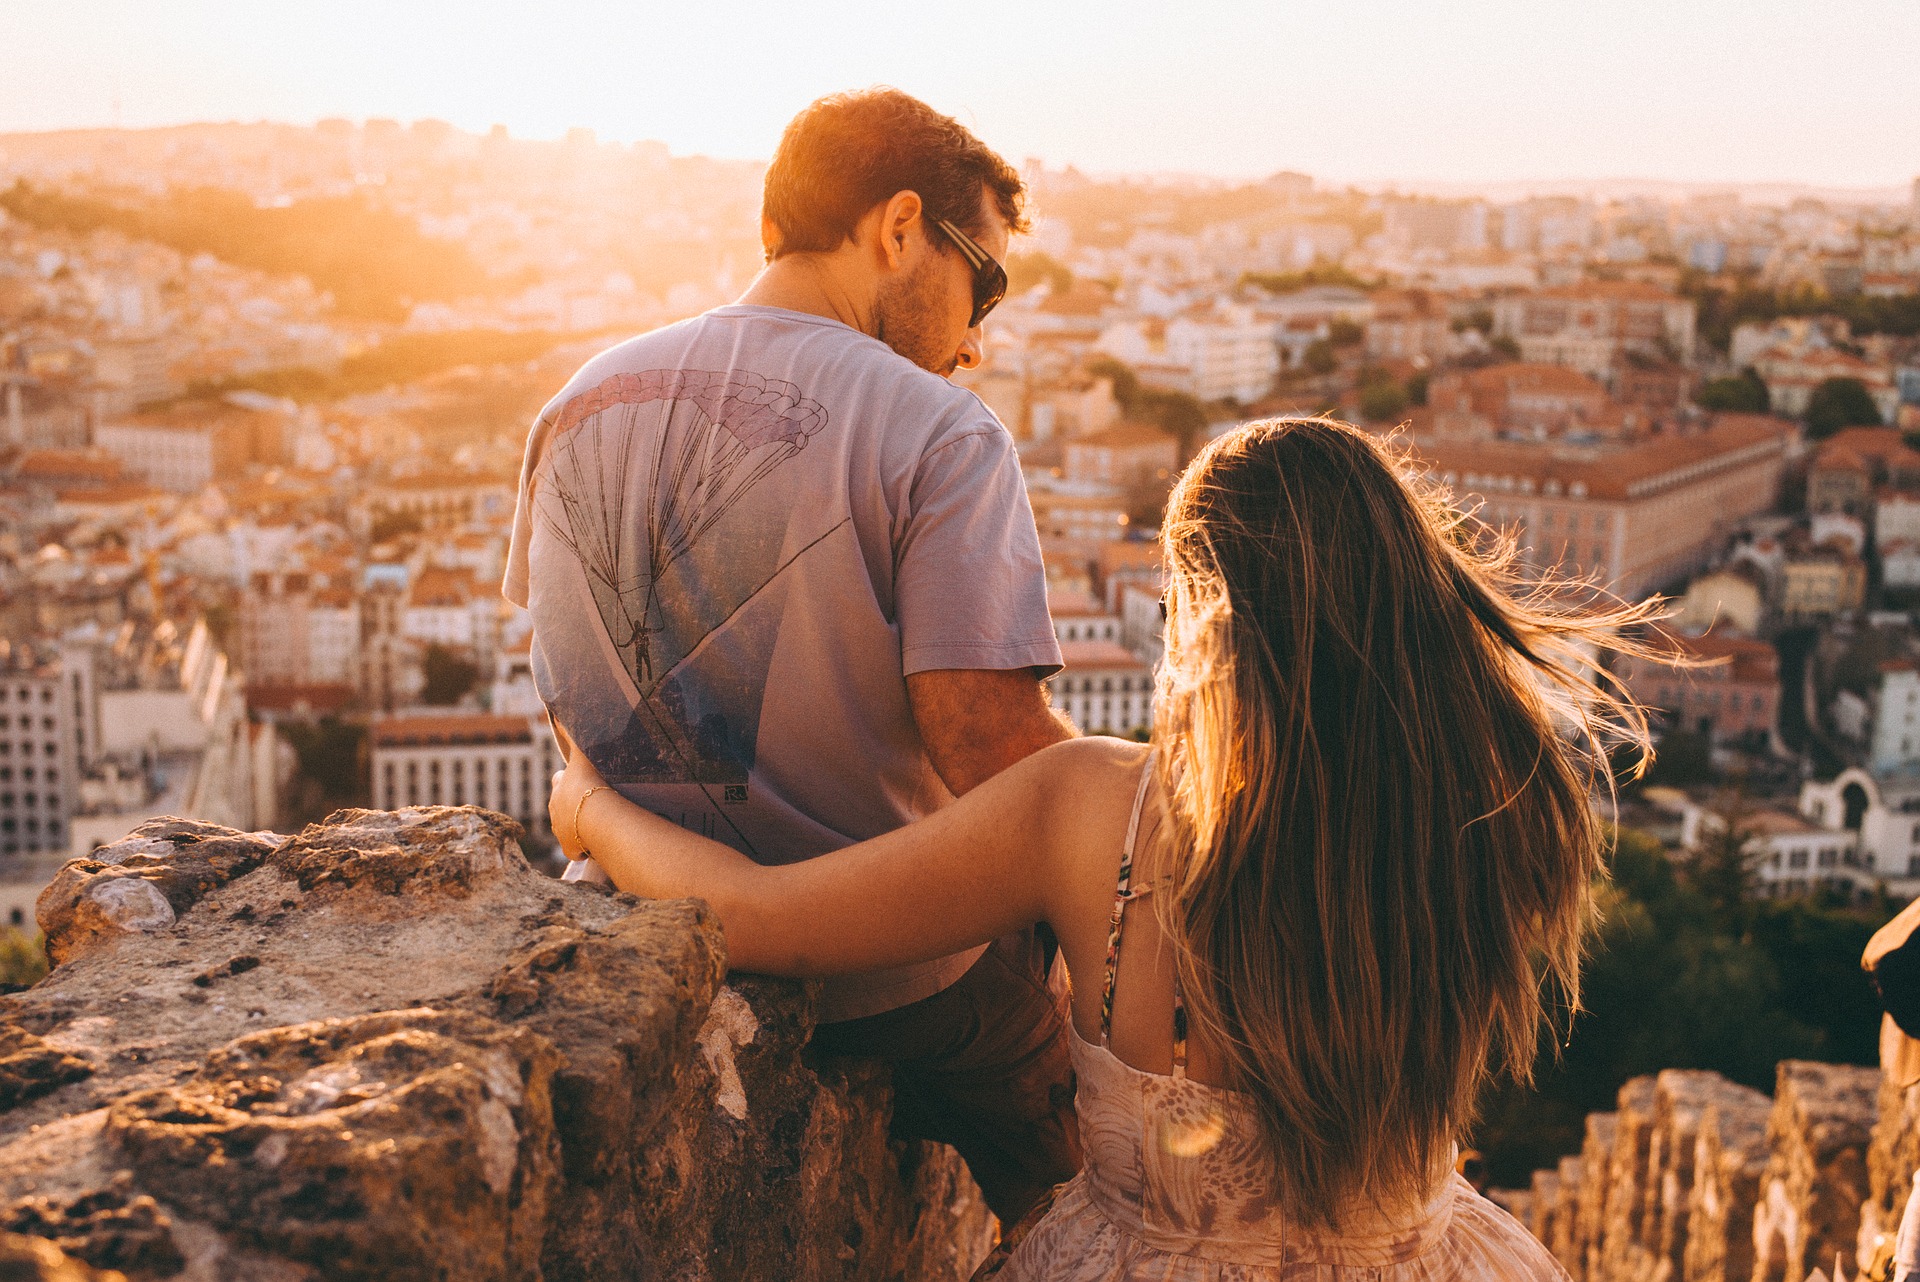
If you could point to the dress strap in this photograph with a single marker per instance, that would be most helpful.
(1122, 894)
(1179, 1027)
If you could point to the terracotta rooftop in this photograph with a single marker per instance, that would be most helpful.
(1633, 471)
(1126, 436)
(1071, 603)
(1081, 656)
(449, 729)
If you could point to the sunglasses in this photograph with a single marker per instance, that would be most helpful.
(989, 277)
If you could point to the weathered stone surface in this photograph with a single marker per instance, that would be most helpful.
(1816, 1178)
(1730, 1157)
(34, 1259)
(1564, 1222)
(1596, 1169)
(1625, 1252)
(1546, 1196)
(388, 1048)
(1680, 1100)
(143, 882)
(1891, 1160)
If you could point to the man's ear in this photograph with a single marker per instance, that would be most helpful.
(900, 223)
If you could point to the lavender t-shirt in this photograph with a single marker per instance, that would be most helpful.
(737, 535)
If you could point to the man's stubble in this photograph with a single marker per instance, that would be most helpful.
(907, 316)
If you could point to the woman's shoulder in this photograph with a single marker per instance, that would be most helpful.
(1091, 764)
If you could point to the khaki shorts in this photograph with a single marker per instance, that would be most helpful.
(983, 1065)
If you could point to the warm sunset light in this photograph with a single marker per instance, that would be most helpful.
(1479, 91)
(1014, 642)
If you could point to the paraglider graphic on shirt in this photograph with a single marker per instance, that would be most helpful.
(652, 483)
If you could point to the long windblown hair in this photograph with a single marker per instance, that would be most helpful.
(1379, 754)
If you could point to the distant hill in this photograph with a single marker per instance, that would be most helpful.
(376, 263)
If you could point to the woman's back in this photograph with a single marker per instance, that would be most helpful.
(1177, 1181)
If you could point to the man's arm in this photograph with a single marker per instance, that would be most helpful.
(976, 722)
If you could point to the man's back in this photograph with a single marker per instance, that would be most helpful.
(736, 536)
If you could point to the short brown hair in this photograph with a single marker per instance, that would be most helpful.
(848, 152)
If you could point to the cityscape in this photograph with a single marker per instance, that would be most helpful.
(264, 391)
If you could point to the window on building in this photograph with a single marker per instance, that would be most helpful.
(1829, 856)
(1797, 858)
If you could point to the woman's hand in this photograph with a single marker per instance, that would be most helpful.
(570, 787)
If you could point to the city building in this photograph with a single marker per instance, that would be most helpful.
(186, 449)
(500, 762)
(1733, 699)
(1793, 375)
(1820, 582)
(1594, 325)
(1103, 688)
(1734, 595)
(1851, 465)
(1411, 325)
(1882, 810)
(1527, 401)
(1126, 455)
(1072, 517)
(45, 716)
(1636, 516)
(1077, 616)
(1790, 856)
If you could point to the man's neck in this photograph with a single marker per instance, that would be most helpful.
(815, 284)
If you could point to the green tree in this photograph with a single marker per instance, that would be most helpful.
(375, 262)
(1126, 383)
(23, 959)
(1346, 333)
(1668, 986)
(1319, 357)
(1417, 387)
(1838, 403)
(449, 677)
(1178, 414)
(1742, 393)
(1724, 867)
(1505, 346)
(1382, 401)
(1294, 282)
(1024, 271)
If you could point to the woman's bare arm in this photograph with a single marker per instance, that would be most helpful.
(996, 860)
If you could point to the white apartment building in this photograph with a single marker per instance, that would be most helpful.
(1212, 357)
(1232, 358)
(1078, 617)
(1792, 855)
(1885, 718)
(1896, 519)
(1077, 517)
(1882, 810)
(44, 705)
(1103, 688)
(502, 763)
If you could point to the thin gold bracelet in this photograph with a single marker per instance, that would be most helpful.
(584, 852)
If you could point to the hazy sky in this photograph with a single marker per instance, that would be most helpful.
(1466, 90)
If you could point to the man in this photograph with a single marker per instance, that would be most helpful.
(786, 587)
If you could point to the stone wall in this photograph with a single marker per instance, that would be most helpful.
(387, 1048)
(1696, 1179)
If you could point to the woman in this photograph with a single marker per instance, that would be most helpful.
(1365, 845)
